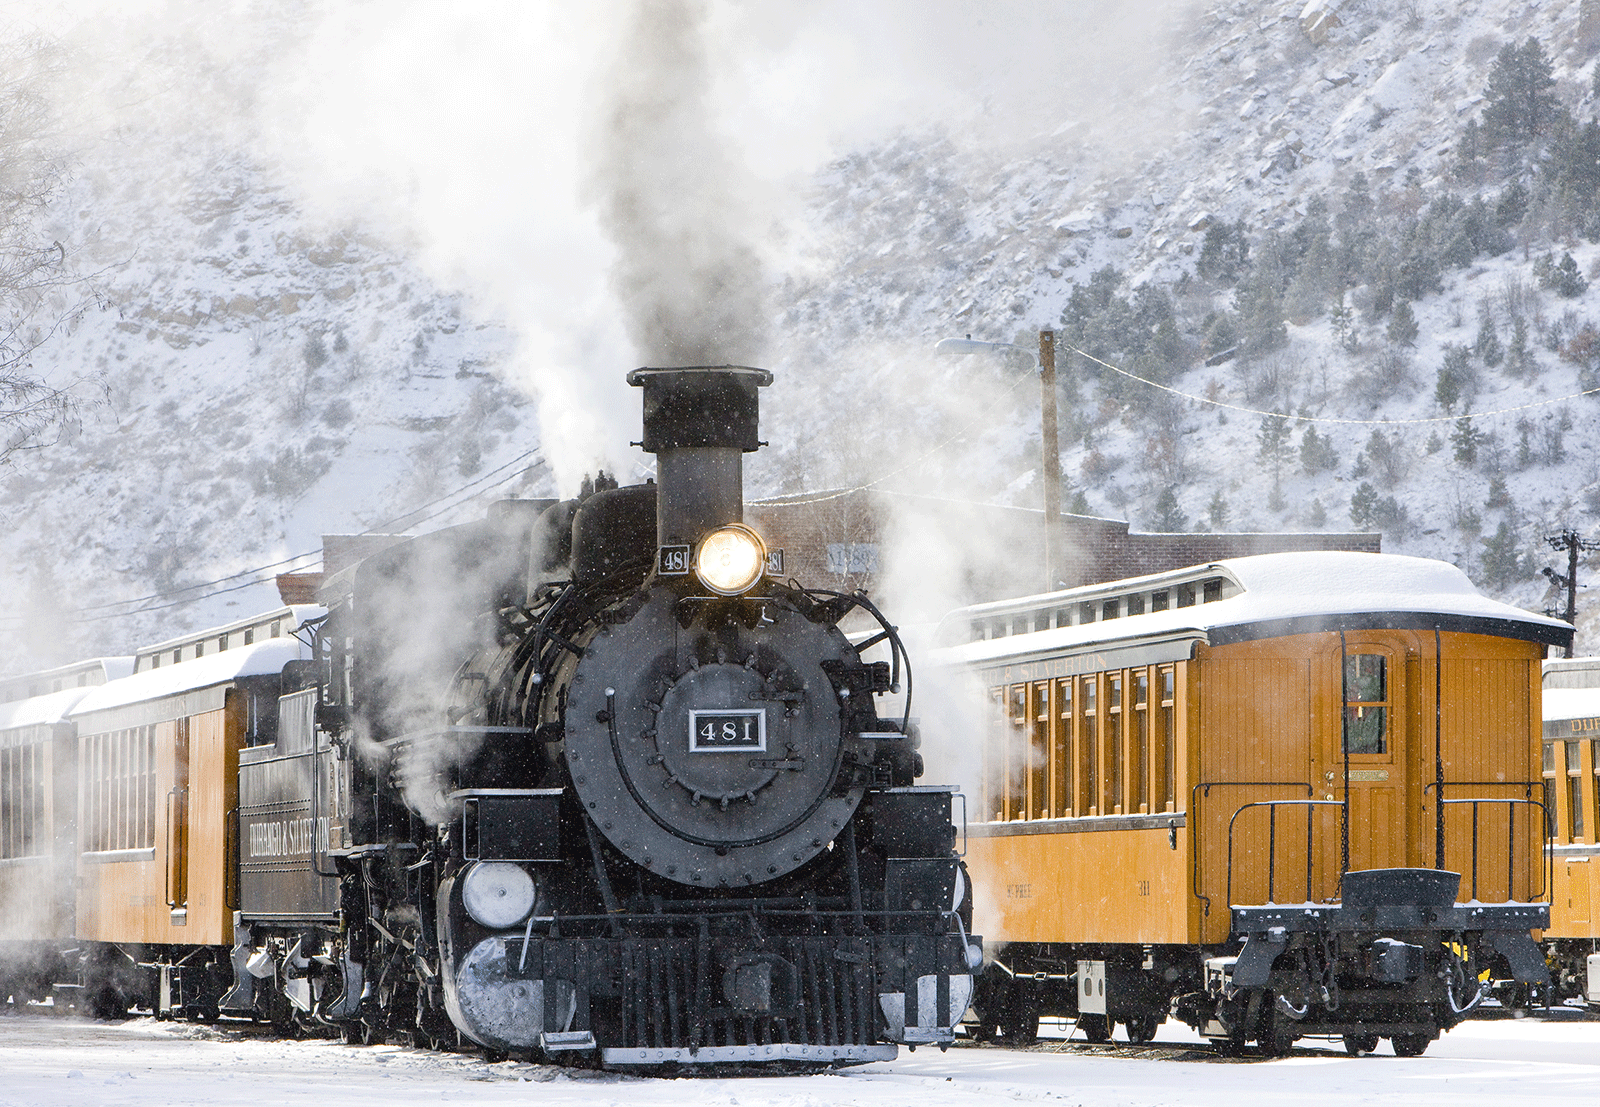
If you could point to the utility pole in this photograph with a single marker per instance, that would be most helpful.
(1050, 445)
(1049, 441)
(1568, 540)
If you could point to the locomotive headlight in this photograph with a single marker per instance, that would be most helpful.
(730, 560)
(498, 894)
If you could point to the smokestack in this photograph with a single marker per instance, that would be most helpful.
(699, 422)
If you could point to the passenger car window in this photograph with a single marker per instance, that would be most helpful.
(1366, 703)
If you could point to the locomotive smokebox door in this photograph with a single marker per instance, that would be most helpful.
(715, 762)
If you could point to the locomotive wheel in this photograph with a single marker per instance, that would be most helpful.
(1277, 1041)
(1019, 1023)
(1142, 1028)
(108, 1004)
(1231, 1046)
(1096, 1028)
(1360, 1045)
(359, 1033)
(1410, 1045)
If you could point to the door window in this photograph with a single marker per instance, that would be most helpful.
(1366, 703)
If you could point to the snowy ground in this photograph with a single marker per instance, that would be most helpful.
(48, 1060)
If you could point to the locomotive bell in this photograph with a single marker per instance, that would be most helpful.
(699, 422)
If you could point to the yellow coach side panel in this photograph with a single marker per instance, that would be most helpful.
(157, 802)
(1572, 788)
(213, 797)
(1097, 886)
(1576, 888)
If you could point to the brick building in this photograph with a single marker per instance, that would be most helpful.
(982, 552)
(837, 540)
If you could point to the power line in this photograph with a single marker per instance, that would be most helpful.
(105, 611)
(823, 497)
(1329, 418)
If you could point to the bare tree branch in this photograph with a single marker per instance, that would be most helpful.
(39, 291)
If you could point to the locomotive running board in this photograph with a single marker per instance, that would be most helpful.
(555, 1041)
(778, 1051)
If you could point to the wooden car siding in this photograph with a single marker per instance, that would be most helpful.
(123, 894)
(1575, 855)
(1270, 710)
(35, 865)
(1107, 886)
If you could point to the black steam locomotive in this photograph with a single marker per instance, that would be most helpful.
(589, 780)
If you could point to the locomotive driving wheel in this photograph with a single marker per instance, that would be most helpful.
(1096, 1028)
(1410, 1045)
(1142, 1028)
(1360, 1045)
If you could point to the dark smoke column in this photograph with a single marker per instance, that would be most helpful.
(673, 199)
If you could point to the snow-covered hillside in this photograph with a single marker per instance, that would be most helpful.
(1253, 121)
(276, 366)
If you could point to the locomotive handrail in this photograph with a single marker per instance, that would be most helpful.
(1526, 785)
(1272, 840)
(1194, 806)
(897, 648)
(316, 807)
(171, 848)
(1546, 868)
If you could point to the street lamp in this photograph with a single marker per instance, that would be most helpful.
(1045, 360)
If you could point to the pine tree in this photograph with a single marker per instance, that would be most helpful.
(1316, 452)
(1402, 325)
(1565, 280)
(1520, 361)
(1225, 252)
(1362, 503)
(1465, 442)
(1261, 312)
(1469, 152)
(1344, 323)
(1456, 377)
(1520, 102)
(1488, 342)
(1169, 518)
(1272, 441)
(1500, 562)
(1217, 510)
(1386, 456)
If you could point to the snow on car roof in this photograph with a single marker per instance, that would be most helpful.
(1572, 703)
(54, 707)
(260, 659)
(1268, 588)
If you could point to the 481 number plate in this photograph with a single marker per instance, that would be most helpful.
(710, 731)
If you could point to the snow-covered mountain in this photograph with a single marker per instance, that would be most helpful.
(274, 367)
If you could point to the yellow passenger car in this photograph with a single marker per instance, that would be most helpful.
(1277, 796)
(1572, 785)
(38, 823)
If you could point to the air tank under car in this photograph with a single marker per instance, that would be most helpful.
(652, 813)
